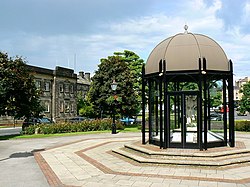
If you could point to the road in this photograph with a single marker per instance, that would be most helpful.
(10, 131)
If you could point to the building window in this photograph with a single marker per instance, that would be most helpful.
(47, 86)
(61, 88)
(47, 106)
(72, 108)
(61, 106)
(67, 88)
(38, 84)
(67, 108)
(71, 88)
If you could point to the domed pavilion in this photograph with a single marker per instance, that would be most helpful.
(181, 77)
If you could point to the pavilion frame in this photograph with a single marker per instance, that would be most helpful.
(158, 83)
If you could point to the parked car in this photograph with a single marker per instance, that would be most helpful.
(127, 120)
(241, 114)
(34, 121)
(77, 119)
(215, 116)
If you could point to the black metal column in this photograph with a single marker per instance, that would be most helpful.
(231, 106)
(199, 111)
(208, 106)
(205, 102)
(161, 112)
(113, 122)
(225, 110)
(143, 106)
(175, 107)
(184, 117)
(166, 109)
(150, 111)
(179, 106)
(156, 108)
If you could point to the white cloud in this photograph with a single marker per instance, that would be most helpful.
(138, 33)
(246, 15)
(159, 23)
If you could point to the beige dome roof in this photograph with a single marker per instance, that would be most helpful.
(182, 53)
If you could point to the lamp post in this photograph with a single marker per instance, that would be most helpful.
(113, 87)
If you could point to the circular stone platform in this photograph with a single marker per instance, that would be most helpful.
(90, 162)
(214, 157)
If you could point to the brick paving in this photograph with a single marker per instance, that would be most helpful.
(90, 162)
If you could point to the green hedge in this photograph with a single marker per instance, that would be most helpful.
(66, 127)
(242, 126)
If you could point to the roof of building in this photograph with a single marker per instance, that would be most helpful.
(182, 52)
(59, 71)
(83, 78)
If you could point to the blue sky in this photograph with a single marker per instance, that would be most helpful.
(60, 32)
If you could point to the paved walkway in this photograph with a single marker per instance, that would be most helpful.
(90, 162)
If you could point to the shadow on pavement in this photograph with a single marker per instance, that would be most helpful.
(22, 154)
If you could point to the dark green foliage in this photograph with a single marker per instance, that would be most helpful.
(242, 126)
(135, 64)
(215, 94)
(30, 130)
(216, 100)
(85, 108)
(124, 68)
(245, 100)
(18, 94)
(93, 125)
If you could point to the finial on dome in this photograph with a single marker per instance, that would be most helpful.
(186, 28)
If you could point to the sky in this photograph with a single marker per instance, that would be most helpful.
(78, 33)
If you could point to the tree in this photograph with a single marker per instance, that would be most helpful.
(135, 64)
(100, 93)
(245, 100)
(85, 107)
(215, 100)
(18, 94)
(215, 94)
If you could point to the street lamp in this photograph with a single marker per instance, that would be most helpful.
(113, 87)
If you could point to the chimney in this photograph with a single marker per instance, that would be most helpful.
(87, 76)
(81, 73)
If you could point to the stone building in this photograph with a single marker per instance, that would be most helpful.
(237, 87)
(83, 83)
(59, 89)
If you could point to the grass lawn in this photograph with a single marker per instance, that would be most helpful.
(8, 137)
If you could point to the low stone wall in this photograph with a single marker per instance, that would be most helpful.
(9, 120)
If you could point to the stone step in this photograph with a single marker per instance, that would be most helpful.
(146, 156)
(200, 154)
(191, 158)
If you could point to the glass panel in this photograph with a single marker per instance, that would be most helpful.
(151, 109)
(175, 119)
(154, 102)
(191, 118)
(215, 115)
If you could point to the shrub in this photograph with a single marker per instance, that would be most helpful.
(30, 129)
(66, 127)
(242, 126)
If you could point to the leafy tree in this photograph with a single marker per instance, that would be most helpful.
(85, 108)
(215, 100)
(135, 64)
(18, 94)
(100, 93)
(215, 94)
(245, 100)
